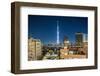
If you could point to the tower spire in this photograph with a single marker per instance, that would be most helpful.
(57, 32)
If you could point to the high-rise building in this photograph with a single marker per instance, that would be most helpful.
(79, 38)
(64, 51)
(85, 44)
(34, 49)
(66, 42)
(85, 38)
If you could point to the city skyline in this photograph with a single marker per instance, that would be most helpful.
(52, 29)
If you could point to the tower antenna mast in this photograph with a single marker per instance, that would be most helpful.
(57, 32)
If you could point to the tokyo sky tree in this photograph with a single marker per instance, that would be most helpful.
(57, 32)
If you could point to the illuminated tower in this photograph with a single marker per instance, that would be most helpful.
(57, 32)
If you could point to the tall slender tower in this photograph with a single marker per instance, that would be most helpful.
(57, 32)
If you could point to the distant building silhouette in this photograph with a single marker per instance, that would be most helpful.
(79, 38)
(66, 41)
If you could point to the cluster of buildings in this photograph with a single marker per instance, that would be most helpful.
(77, 50)
(64, 50)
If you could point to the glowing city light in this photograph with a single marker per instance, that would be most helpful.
(57, 32)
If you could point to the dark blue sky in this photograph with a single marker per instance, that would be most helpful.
(45, 27)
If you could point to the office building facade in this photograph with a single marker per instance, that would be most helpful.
(34, 49)
(79, 39)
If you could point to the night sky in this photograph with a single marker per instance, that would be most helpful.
(45, 27)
